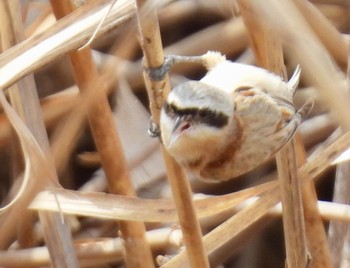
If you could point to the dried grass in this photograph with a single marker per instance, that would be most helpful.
(230, 224)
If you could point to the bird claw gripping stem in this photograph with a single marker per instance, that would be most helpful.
(159, 73)
(153, 129)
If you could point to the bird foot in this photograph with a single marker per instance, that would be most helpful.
(153, 129)
(159, 73)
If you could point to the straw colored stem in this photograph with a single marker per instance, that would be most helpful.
(90, 253)
(153, 53)
(10, 31)
(231, 228)
(100, 206)
(338, 230)
(333, 2)
(67, 34)
(231, 40)
(102, 124)
(319, 71)
(269, 54)
(267, 49)
(315, 231)
(293, 221)
(242, 220)
(25, 101)
(336, 14)
(329, 211)
(329, 36)
(54, 107)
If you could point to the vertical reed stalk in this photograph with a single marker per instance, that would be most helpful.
(157, 90)
(24, 98)
(269, 54)
(315, 231)
(137, 250)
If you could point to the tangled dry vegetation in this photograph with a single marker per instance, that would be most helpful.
(75, 152)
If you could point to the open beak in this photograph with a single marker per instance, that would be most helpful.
(181, 124)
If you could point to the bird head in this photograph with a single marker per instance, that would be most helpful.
(194, 117)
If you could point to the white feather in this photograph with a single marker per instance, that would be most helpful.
(229, 75)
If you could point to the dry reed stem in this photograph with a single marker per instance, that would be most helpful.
(23, 256)
(318, 168)
(39, 167)
(328, 210)
(269, 54)
(315, 230)
(314, 168)
(69, 33)
(293, 214)
(45, 15)
(339, 233)
(56, 106)
(336, 14)
(304, 48)
(314, 73)
(233, 226)
(311, 170)
(228, 37)
(60, 144)
(125, 208)
(157, 90)
(337, 230)
(11, 29)
(317, 129)
(328, 35)
(104, 206)
(66, 133)
(90, 253)
(25, 100)
(137, 251)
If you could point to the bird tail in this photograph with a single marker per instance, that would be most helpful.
(294, 80)
(305, 109)
(296, 120)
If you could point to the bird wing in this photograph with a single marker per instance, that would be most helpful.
(257, 107)
(268, 122)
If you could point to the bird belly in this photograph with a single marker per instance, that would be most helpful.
(234, 162)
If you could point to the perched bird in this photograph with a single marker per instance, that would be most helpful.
(232, 120)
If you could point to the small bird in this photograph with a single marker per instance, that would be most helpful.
(232, 120)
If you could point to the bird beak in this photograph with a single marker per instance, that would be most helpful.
(181, 124)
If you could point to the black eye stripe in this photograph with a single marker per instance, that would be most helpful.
(170, 110)
(203, 115)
